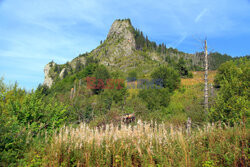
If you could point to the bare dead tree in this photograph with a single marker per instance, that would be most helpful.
(206, 78)
(204, 44)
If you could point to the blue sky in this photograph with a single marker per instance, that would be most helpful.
(34, 32)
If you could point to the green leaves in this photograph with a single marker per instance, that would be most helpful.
(168, 79)
(101, 74)
(23, 116)
(232, 102)
(45, 114)
(155, 98)
(169, 76)
(132, 76)
(181, 67)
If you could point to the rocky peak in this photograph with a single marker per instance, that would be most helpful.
(120, 42)
(120, 28)
(122, 31)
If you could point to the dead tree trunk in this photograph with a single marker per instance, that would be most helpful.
(206, 80)
(189, 124)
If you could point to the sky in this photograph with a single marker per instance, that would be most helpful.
(35, 32)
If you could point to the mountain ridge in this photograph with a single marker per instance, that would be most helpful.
(126, 49)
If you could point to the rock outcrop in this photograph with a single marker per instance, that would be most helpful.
(122, 31)
(63, 73)
(48, 81)
(120, 43)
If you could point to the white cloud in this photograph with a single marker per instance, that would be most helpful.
(200, 15)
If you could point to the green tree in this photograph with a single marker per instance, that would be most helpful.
(90, 60)
(87, 71)
(22, 116)
(232, 102)
(181, 67)
(155, 98)
(43, 88)
(169, 77)
(132, 76)
(101, 75)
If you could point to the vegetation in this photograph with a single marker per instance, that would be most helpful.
(182, 68)
(101, 76)
(132, 76)
(167, 77)
(73, 123)
(143, 145)
(23, 115)
(232, 103)
(32, 131)
(216, 59)
(153, 103)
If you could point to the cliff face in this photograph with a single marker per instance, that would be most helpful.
(121, 32)
(48, 80)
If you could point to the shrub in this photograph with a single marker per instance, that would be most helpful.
(101, 73)
(132, 76)
(155, 98)
(232, 102)
(170, 77)
(22, 116)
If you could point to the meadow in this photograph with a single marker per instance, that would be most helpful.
(143, 144)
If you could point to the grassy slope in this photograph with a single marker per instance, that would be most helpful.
(198, 77)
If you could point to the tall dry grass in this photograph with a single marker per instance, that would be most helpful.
(198, 78)
(145, 144)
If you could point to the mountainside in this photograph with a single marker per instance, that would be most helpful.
(86, 114)
(126, 49)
